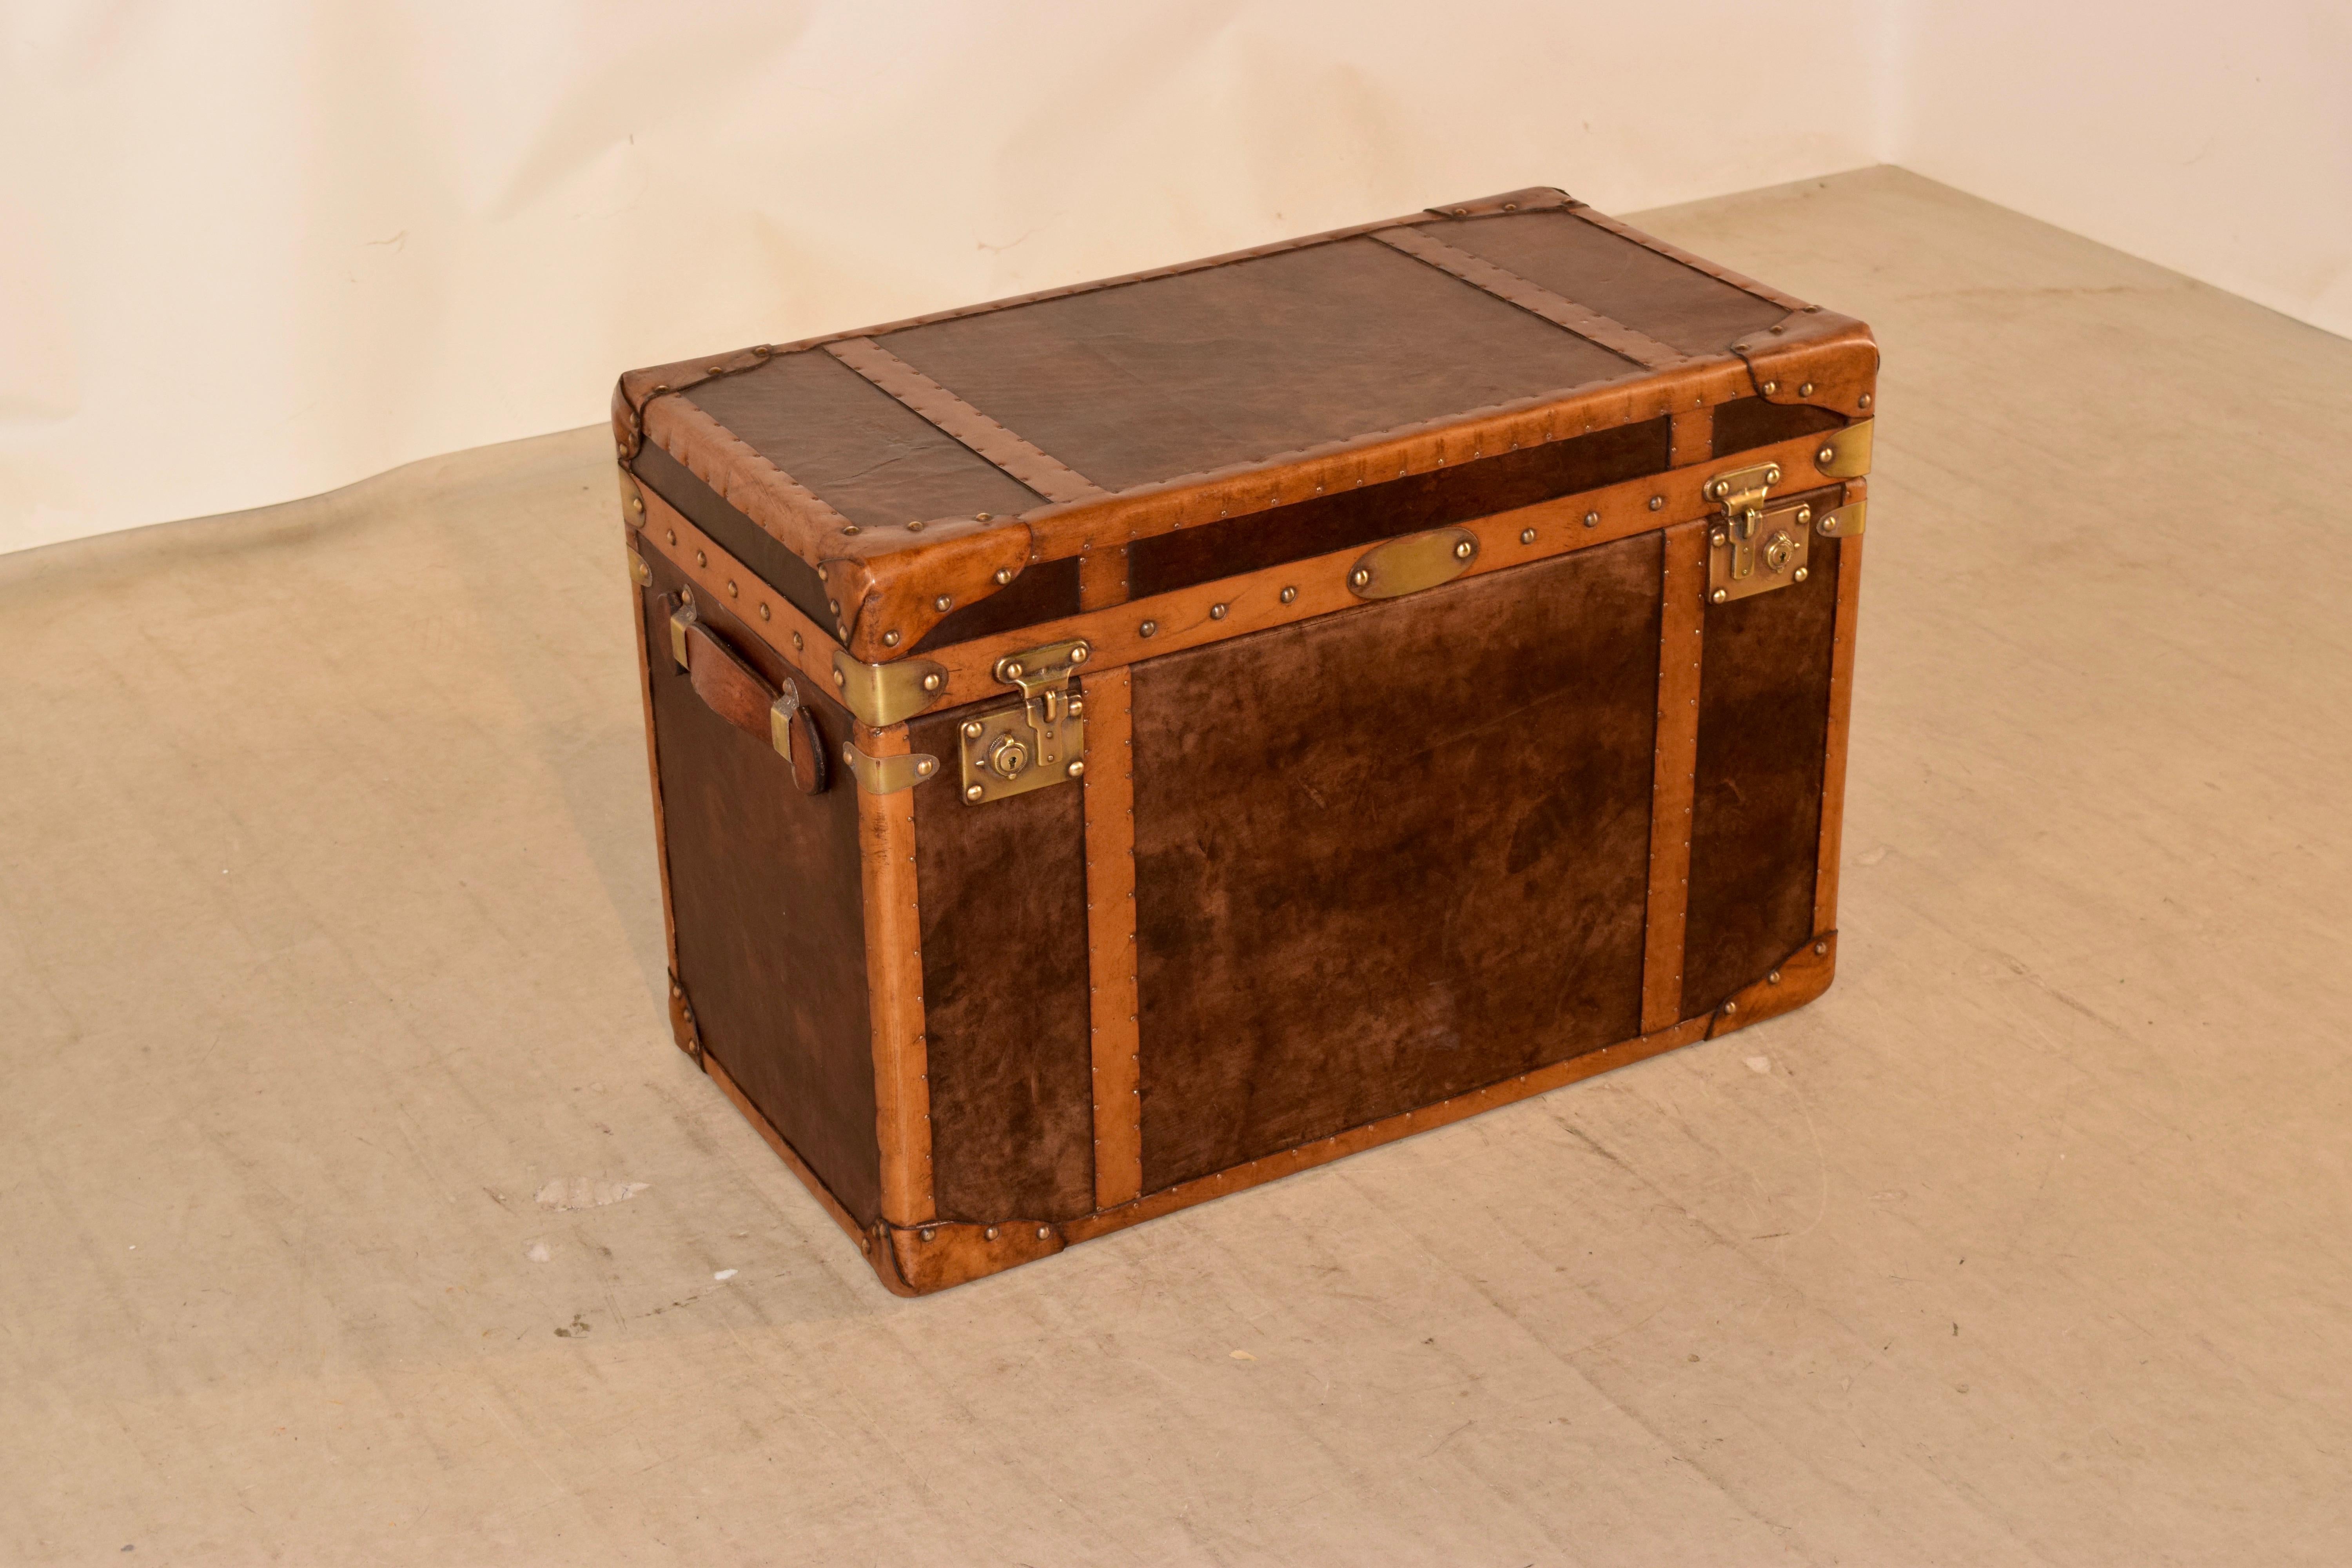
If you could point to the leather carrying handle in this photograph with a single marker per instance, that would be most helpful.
(740, 695)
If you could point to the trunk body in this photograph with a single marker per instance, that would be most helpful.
(1113, 747)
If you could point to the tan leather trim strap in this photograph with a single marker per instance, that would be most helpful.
(1110, 787)
(1049, 475)
(1234, 606)
(1849, 615)
(1558, 308)
(893, 981)
(1696, 263)
(1681, 633)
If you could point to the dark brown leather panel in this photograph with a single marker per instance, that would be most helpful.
(866, 454)
(1003, 890)
(770, 930)
(1747, 423)
(1167, 562)
(1627, 283)
(1763, 731)
(746, 541)
(1386, 856)
(1044, 591)
(1194, 372)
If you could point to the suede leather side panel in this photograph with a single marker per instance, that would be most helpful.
(1391, 855)
(1003, 894)
(1755, 811)
(771, 917)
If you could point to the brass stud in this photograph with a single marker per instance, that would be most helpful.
(1825, 455)
(700, 559)
(1719, 596)
(1003, 575)
(1729, 1008)
(1289, 595)
(715, 370)
(833, 605)
(1862, 402)
(943, 604)
(1467, 549)
(1657, 502)
(926, 1233)
(973, 792)
(849, 528)
(1799, 574)
(1820, 947)
(764, 614)
(1772, 473)
(915, 525)
(842, 631)
(673, 535)
(840, 680)
(1079, 654)
(992, 1232)
(1146, 629)
(983, 516)
(889, 639)
(1074, 769)
(1773, 978)
(931, 681)
(971, 728)
(1718, 539)
(1012, 670)
(1077, 707)
(821, 572)
(687, 594)
(1511, 207)
(848, 753)
(1360, 576)
(1806, 390)
(1804, 515)
(1770, 387)
(924, 766)
(1216, 612)
(1592, 519)
(732, 592)
(1043, 1233)
(796, 646)
(1527, 536)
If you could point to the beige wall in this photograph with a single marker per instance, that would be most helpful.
(2212, 139)
(252, 252)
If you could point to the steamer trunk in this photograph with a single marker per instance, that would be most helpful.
(1113, 747)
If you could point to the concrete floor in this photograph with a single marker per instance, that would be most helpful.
(328, 940)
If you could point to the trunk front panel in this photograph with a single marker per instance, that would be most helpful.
(1391, 855)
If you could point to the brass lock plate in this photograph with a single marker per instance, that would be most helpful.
(1038, 740)
(1757, 549)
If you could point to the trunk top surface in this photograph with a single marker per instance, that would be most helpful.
(935, 451)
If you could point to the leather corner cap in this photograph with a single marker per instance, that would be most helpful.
(915, 1260)
(1793, 982)
(1817, 357)
(1534, 198)
(891, 590)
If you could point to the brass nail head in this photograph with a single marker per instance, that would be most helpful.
(1825, 455)
(983, 516)
(700, 559)
(1770, 387)
(943, 604)
(1799, 574)
(971, 729)
(923, 769)
(1079, 654)
(931, 682)
(1527, 536)
(1592, 519)
(1146, 629)
(973, 792)
(838, 679)
(1729, 1008)
(672, 535)
(732, 592)
(1806, 390)
(992, 1232)
(1464, 551)
(1359, 577)
(915, 525)
(1656, 502)
(1043, 1233)
(1720, 595)
(846, 528)
(1820, 947)
(1862, 402)
(796, 648)
(889, 639)
(1003, 575)
(833, 605)
(1216, 612)
(1013, 669)
(1773, 978)
(1289, 595)
(1074, 769)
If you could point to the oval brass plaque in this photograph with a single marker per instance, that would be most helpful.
(1417, 560)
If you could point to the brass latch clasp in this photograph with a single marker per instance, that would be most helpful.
(1040, 740)
(1755, 547)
